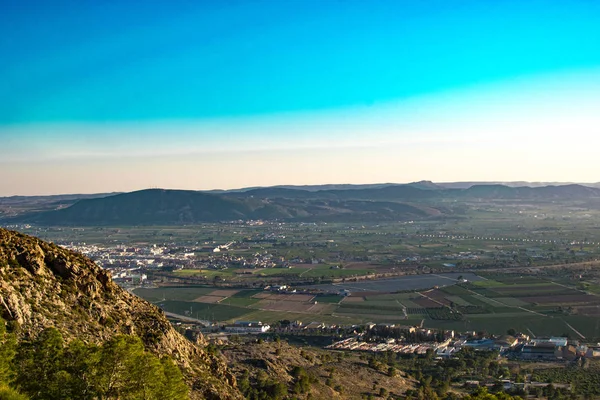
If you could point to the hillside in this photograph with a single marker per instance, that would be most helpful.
(43, 285)
(183, 207)
(161, 207)
(311, 373)
(419, 200)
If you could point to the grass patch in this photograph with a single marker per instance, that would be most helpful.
(458, 300)
(488, 283)
(209, 273)
(329, 298)
(246, 293)
(456, 290)
(185, 293)
(210, 312)
(512, 301)
(239, 301)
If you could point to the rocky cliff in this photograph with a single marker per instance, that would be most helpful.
(43, 285)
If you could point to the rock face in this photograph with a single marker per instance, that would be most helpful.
(43, 285)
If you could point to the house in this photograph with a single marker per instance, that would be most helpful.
(247, 327)
(541, 351)
(593, 352)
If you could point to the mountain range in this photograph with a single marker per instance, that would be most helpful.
(346, 203)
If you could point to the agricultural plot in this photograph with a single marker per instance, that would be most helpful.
(332, 299)
(593, 311)
(209, 273)
(486, 292)
(563, 300)
(334, 273)
(239, 301)
(294, 306)
(455, 290)
(210, 312)
(353, 299)
(246, 293)
(372, 306)
(186, 293)
(416, 311)
(458, 300)
(409, 303)
(285, 297)
(426, 303)
(223, 293)
(512, 301)
(514, 280)
(411, 282)
(488, 283)
(438, 296)
(209, 299)
(393, 296)
(542, 290)
(530, 306)
(493, 302)
(274, 316)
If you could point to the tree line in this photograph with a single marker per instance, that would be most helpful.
(49, 368)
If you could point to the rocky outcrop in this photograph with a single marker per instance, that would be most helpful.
(43, 285)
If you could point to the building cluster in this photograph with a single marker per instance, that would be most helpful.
(392, 345)
(128, 264)
(446, 345)
(247, 327)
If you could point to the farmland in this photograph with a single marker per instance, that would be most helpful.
(536, 307)
(531, 266)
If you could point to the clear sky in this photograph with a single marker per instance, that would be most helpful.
(121, 95)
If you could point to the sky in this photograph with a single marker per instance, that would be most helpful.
(103, 96)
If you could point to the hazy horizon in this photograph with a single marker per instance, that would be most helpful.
(300, 186)
(193, 95)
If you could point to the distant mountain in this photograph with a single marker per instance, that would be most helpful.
(154, 206)
(181, 207)
(564, 192)
(17, 205)
(390, 202)
(466, 185)
(428, 185)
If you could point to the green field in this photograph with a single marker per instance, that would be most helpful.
(210, 312)
(333, 299)
(493, 314)
(239, 301)
(173, 293)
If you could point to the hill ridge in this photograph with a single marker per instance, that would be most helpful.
(43, 285)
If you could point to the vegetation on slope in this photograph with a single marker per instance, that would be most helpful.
(48, 368)
(44, 286)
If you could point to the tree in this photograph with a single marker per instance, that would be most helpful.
(8, 348)
(391, 371)
(38, 364)
(126, 371)
(7, 353)
(119, 369)
(7, 393)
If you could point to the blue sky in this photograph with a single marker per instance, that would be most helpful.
(128, 91)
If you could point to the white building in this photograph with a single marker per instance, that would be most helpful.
(247, 327)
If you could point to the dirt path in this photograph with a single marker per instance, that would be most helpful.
(434, 300)
(574, 330)
(403, 309)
